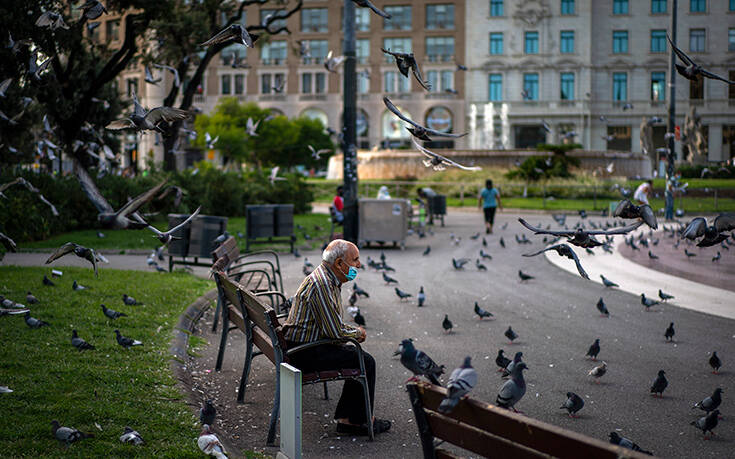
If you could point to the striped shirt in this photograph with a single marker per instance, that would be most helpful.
(316, 312)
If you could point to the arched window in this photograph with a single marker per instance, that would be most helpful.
(316, 114)
(440, 119)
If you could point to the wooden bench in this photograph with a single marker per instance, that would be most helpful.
(496, 432)
(262, 327)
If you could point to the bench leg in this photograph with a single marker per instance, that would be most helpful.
(326, 392)
(276, 407)
(216, 314)
(368, 412)
(223, 340)
(246, 366)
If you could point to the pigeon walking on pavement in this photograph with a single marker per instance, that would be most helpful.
(598, 372)
(447, 324)
(616, 439)
(388, 280)
(359, 318)
(513, 390)
(418, 363)
(715, 363)
(459, 264)
(131, 436)
(670, 332)
(510, 334)
(518, 358)
(659, 384)
(359, 291)
(210, 444)
(707, 423)
(572, 404)
(664, 296)
(402, 295)
(710, 403)
(68, 435)
(594, 350)
(501, 360)
(607, 282)
(481, 313)
(461, 382)
(79, 343)
(647, 302)
(524, 277)
(602, 308)
(421, 296)
(427, 251)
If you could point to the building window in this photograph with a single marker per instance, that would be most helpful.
(362, 19)
(440, 16)
(620, 6)
(318, 50)
(363, 82)
(273, 53)
(567, 7)
(620, 87)
(696, 40)
(279, 79)
(447, 80)
(320, 83)
(658, 41)
(132, 86)
(658, 6)
(530, 86)
(397, 45)
(566, 42)
(112, 30)
(567, 86)
(226, 81)
(432, 76)
(394, 82)
(731, 41)
(440, 49)
(496, 7)
(620, 41)
(266, 87)
(732, 8)
(495, 90)
(400, 18)
(314, 20)
(306, 83)
(496, 43)
(530, 42)
(696, 89)
(362, 50)
(658, 85)
(94, 34)
(239, 84)
(276, 24)
(697, 6)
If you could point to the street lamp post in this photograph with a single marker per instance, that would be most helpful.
(349, 151)
(670, 152)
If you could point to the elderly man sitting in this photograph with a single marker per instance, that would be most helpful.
(317, 314)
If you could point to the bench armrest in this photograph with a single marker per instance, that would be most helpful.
(345, 340)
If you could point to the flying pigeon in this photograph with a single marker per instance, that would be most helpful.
(332, 62)
(580, 237)
(616, 439)
(67, 435)
(251, 126)
(461, 381)
(607, 282)
(108, 217)
(419, 363)
(563, 250)
(713, 234)
(421, 296)
(8, 243)
(419, 131)
(659, 384)
(711, 403)
(33, 322)
(111, 313)
(144, 120)
(513, 389)
(235, 33)
(149, 76)
(447, 324)
(369, 4)
(598, 372)
(406, 62)
(126, 342)
(626, 209)
(210, 444)
(131, 436)
(130, 301)
(79, 343)
(92, 9)
(316, 154)
(707, 423)
(173, 70)
(481, 313)
(572, 404)
(166, 237)
(602, 308)
(510, 334)
(690, 70)
(207, 413)
(273, 178)
(594, 350)
(78, 250)
(439, 162)
(52, 20)
(715, 363)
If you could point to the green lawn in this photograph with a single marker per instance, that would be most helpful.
(110, 386)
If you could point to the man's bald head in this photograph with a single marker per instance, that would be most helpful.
(339, 248)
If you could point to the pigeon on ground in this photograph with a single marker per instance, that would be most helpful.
(563, 250)
(126, 342)
(502, 242)
(598, 372)
(594, 350)
(710, 403)
(652, 256)
(664, 296)
(447, 324)
(427, 251)
(130, 301)
(616, 439)
(717, 257)
(77, 286)
(461, 381)
(369, 4)
(48, 282)
(607, 282)
(30, 299)
(111, 313)
(235, 33)
(659, 384)
(421, 296)
(352, 311)
(359, 291)
(67, 435)
(402, 295)
(78, 250)
(419, 363)
(13, 312)
(79, 343)
(602, 308)
(131, 436)
(518, 358)
(481, 313)
(690, 70)
(524, 277)
(353, 299)
(513, 389)
(707, 423)
(359, 318)
(626, 209)
(647, 302)
(572, 404)
(210, 444)
(501, 361)
(164, 237)
(459, 264)
(485, 255)
(480, 266)
(510, 334)
(207, 413)
(307, 263)
(669, 333)
(389, 280)
(715, 363)
(33, 322)
(689, 254)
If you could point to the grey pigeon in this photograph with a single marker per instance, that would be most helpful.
(510, 334)
(78, 250)
(30, 298)
(717, 257)
(5, 390)
(607, 282)
(421, 296)
(512, 364)
(148, 120)
(407, 62)
(711, 403)
(461, 381)
(580, 237)
(598, 372)
(513, 389)
(402, 295)
(126, 342)
(369, 4)
(485, 255)
(427, 251)
(52, 20)
(690, 70)
(572, 404)
(130, 301)
(418, 363)
(459, 264)
(207, 413)
(501, 361)
(616, 439)
(93, 9)
(107, 216)
(480, 266)
(602, 308)
(707, 423)
(359, 318)
(48, 282)
(164, 237)
(652, 256)
(447, 324)
(647, 302)
(594, 349)
(669, 333)
(111, 313)
(80, 343)
(76, 286)
(626, 209)
(131, 436)
(33, 322)
(664, 296)
(481, 313)
(524, 277)
(502, 242)
(209, 444)
(67, 435)
(715, 363)
(353, 299)
(359, 291)
(689, 254)
(8, 243)
(659, 384)
(235, 33)
(389, 280)
(563, 250)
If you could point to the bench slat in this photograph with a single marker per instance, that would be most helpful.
(236, 317)
(263, 342)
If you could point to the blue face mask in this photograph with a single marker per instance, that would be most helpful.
(351, 273)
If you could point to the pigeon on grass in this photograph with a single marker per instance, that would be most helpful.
(126, 342)
(68, 435)
(80, 343)
(210, 444)
(131, 436)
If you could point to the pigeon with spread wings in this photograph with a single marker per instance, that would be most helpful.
(406, 62)
(419, 131)
(692, 71)
(316, 154)
(78, 250)
(439, 162)
(713, 234)
(175, 72)
(565, 251)
(166, 237)
(580, 237)
(369, 4)
(626, 209)
(151, 120)
(235, 33)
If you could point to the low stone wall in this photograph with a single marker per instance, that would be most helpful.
(389, 164)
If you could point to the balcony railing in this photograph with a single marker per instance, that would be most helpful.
(272, 97)
(313, 97)
(440, 95)
(274, 61)
(312, 60)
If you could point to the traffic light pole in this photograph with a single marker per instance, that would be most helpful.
(349, 118)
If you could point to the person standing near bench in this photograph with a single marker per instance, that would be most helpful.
(489, 201)
(317, 314)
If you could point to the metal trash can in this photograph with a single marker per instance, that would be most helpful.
(437, 207)
(204, 230)
(283, 222)
(259, 221)
(383, 220)
(179, 248)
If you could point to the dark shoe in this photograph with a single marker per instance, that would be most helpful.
(379, 426)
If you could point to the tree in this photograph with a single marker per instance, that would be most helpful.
(535, 168)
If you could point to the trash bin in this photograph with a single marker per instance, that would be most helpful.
(204, 230)
(283, 220)
(259, 221)
(179, 248)
(383, 220)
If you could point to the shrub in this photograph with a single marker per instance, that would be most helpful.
(716, 171)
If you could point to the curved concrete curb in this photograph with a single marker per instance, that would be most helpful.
(636, 279)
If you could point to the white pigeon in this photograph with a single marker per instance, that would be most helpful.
(131, 436)
(210, 444)
(5, 390)
(316, 154)
(209, 141)
(274, 176)
(251, 126)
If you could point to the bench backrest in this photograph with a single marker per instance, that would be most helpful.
(227, 249)
(492, 431)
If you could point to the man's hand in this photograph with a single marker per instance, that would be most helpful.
(362, 336)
